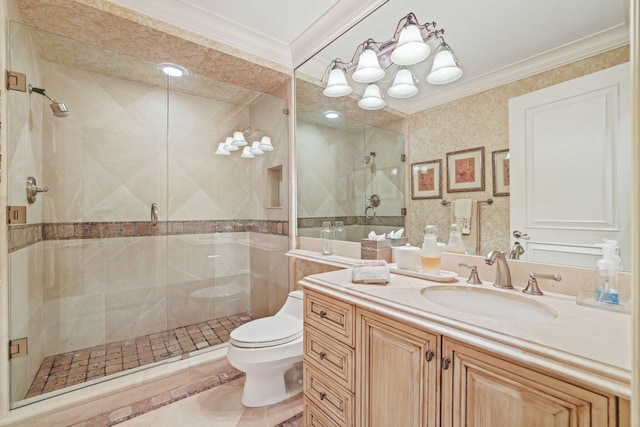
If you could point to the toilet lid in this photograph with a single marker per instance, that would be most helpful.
(267, 332)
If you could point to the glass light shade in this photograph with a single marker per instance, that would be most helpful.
(372, 98)
(265, 144)
(238, 139)
(337, 84)
(221, 151)
(228, 144)
(403, 85)
(410, 49)
(255, 148)
(246, 153)
(444, 70)
(368, 69)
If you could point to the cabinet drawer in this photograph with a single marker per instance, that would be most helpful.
(314, 417)
(334, 318)
(329, 356)
(332, 399)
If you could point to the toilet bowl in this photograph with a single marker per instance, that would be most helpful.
(269, 352)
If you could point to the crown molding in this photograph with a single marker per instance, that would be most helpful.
(606, 40)
(195, 19)
(330, 26)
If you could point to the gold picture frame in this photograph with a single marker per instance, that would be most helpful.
(465, 170)
(501, 179)
(426, 180)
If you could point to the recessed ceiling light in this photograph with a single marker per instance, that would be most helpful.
(173, 70)
(331, 115)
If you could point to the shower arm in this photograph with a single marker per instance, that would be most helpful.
(41, 92)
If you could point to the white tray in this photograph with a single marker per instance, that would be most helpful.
(444, 276)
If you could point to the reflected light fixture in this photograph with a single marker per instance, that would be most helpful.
(410, 45)
(259, 146)
(331, 115)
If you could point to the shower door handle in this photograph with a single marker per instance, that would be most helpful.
(154, 214)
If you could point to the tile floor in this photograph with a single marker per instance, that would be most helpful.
(220, 407)
(64, 370)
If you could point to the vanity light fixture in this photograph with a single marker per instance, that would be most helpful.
(408, 46)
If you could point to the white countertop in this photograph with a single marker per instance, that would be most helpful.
(586, 344)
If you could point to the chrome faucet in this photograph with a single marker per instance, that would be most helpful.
(516, 251)
(503, 275)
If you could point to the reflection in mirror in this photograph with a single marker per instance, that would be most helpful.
(472, 113)
(343, 164)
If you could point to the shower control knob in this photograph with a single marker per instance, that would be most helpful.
(33, 189)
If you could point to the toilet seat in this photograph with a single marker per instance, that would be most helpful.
(267, 332)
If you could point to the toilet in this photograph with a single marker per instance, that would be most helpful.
(269, 352)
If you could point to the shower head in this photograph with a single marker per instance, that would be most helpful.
(59, 108)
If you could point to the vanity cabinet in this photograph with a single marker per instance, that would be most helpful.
(329, 361)
(479, 389)
(397, 381)
(370, 368)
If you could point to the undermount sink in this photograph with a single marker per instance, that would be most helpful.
(488, 303)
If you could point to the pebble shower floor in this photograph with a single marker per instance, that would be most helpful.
(75, 367)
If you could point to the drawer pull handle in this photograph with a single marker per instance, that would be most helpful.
(322, 355)
(429, 355)
(445, 363)
(323, 395)
(323, 314)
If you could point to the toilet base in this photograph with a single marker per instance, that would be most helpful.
(262, 389)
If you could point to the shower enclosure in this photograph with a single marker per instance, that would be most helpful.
(147, 247)
(348, 171)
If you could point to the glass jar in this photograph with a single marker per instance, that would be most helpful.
(326, 234)
(340, 233)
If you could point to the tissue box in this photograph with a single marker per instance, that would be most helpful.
(400, 241)
(375, 249)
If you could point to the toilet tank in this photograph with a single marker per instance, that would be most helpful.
(293, 305)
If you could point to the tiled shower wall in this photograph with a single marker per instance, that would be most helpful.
(105, 165)
(333, 180)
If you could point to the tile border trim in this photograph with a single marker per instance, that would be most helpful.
(21, 236)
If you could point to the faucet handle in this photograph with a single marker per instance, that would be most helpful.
(532, 285)
(473, 277)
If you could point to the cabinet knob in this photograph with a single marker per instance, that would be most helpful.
(445, 363)
(323, 314)
(323, 395)
(322, 355)
(429, 355)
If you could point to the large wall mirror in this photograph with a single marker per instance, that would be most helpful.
(503, 54)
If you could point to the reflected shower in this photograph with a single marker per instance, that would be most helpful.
(59, 108)
(371, 160)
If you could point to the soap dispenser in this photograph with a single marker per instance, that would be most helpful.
(608, 267)
(455, 244)
(430, 254)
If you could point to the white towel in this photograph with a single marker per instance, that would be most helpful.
(371, 272)
(463, 213)
(470, 239)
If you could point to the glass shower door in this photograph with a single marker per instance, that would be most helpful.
(88, 267)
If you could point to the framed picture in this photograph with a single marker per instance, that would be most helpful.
(426, 180)
(500, 173)
(465, 170)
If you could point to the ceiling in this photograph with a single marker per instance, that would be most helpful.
(496, 41)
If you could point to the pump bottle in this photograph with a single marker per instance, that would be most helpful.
(430, 254)
(608, 267)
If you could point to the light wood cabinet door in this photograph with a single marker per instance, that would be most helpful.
(479, 390)
(397, 381)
